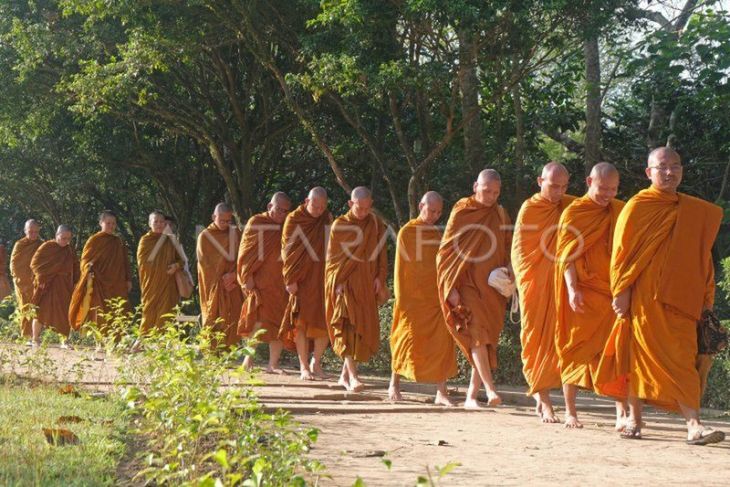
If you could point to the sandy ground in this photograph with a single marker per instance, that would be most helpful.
(505, 445)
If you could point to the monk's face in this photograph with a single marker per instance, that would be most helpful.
(430, 212)
(316, 206)
(553, 186)
(63, 238)
(665, 172)
(223, 220)
(361, 208)
(32, 232)
(602, 189)
(487, 192)
(108, 224)
(278, 210)
(157, 223)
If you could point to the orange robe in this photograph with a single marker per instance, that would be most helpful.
(55, 268)
(533, 253)
(584, 240)
(662, 252)
(5, 289)
(356, 256)
(259, 257)
(217, 253)
(420, 344)
(20, 258)
(476, 241)
(105, 272)
(303, 255)
(155, 253)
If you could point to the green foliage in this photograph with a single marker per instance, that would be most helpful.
(203, 426)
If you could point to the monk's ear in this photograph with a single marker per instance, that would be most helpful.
(539, 181)
(648, 172)
(269, 206)
(350, 203)
(306, 201)
(589, 180)
(420, 206)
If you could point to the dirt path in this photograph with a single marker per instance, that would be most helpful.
(505, 445)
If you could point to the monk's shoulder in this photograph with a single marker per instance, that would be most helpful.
(701, 206)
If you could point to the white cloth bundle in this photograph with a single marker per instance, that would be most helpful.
(499, 279)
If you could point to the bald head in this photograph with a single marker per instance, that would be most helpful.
(430, 207)
(157, 221)
(553, 182)
(223, 216)
(279, 207)
(316, 201)
(603, 183)
(63, 235)
(32, 229)
(361, 202)
(664, 169)
(487, 187)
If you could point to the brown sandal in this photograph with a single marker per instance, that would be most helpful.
(712, 436)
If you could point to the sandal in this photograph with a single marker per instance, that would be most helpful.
(631, 432)
(706, 436)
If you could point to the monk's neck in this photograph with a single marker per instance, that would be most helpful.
(547, 200)
(671, 192)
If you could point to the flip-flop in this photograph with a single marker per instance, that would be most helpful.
(712, 436)
(631, 432)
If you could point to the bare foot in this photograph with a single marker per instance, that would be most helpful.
(344, 382)
(704, 436)
(538, 409)
(621, 423)
(248, 363)
(547, 415)
(306, 375)
(274, 370)
(443, 400)
(493, 399)
(317, 370)
(394, 394)
(473, 405)
(356, 385)
(571, 422)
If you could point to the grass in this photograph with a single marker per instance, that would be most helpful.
(27, 459)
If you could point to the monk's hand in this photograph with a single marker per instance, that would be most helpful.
(621, 303)
(229, 280)
(172, 268)
(340, 289)
(575, 298)
(377, 286)
(129, 286)
(454, 298)
(292, 288)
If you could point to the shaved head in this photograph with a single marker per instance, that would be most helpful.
(361, 202)
(489, 175)
(603, 183)
(157, 221)
(63, 235)
(317, 192)
(108, 221)
(32, 229)
(222, 208)
(664, 169)
(553, 182)
(63, 229)
(487, 187)
(279, 207)
(430, 207)
(316, 201)
(360, 193)
(603, 170)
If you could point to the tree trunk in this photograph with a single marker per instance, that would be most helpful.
(520, 144)
(593, 102)
(469, 84)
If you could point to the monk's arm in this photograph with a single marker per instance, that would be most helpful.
(575, 296)
(382, 260)
(77, 269)
(14, 268)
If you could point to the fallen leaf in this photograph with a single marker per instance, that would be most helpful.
(60, 436)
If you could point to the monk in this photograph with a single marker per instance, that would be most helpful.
(5, 289)
(421, 347)
(105, 275)
(157, 262)
(582, 288)
(355, 285)
(55, 273)
(261, 276)
(303, 256)
(662, 278)
(22, 274)
(475, 244)
(533, 255)
(220, 295)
